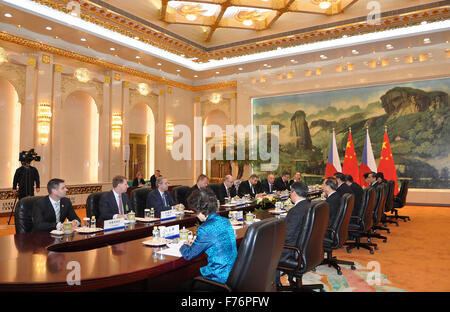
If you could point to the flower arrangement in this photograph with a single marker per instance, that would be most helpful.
(266, 202)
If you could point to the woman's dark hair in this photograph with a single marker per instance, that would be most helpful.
(204, 201)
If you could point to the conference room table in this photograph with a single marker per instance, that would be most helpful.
(107, 261)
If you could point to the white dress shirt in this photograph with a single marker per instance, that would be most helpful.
(118, 199)
(57, 207)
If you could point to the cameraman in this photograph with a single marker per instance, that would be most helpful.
(26, 176)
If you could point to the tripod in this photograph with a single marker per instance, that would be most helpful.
(13, 209)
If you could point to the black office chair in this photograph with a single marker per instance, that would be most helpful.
(93, 204)
(179, 194)
(138, 200)
(400, 201)
(337, 233)
(380, 203)
(309, 250)
(215, 188)
(362, 223)
(255, 266)
(23, 215)
(389, 205)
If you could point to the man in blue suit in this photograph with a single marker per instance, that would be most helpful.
(114, 204)
(160, 198)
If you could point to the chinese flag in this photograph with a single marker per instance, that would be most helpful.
(350, 162)
(386, 164)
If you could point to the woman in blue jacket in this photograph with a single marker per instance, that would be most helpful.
(215, 237)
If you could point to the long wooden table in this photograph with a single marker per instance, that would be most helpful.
(108, 260)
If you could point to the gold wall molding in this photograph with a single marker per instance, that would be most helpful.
(110, 66)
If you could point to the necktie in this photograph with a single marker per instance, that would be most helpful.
(120, 205)
(270, 188)
(57, 211)
(165, 199)
(228, 191)
(253, 190)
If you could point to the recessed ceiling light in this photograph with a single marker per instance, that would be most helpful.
(195, 76)
(426, 40)
(8, 15)
(178, 70)
(138, 57)
(159, 64)
(240, 68)
(48, 28)
(389, 46)
(19, 26)
(83, 39)
(217, 73)
(137, 38)
(112, 49)
(424, 23)
(265, 65)
(355, 51)
(323, 57)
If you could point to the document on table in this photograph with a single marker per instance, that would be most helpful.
(173, 250)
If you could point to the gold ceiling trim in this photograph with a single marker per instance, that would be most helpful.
(110, 66)
(131, 28)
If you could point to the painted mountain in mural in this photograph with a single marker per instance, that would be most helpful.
(416, 115)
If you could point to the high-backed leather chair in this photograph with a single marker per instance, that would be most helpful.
(255, 266)
(362, 222)
(93, 204)
(380, 202)
(215, 188)
(179, 194)
(138, 200)
(337, 233)
(389, 204)
(309, 250)
(400, 201)
(23, 214)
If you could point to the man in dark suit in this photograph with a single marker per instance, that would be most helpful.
(282, 183)
(160, 198)
(268, 185)
(51, 211)
(226, 189)
(251, 187)
(379, 176)
(370, 178)
(295, 219)
(297, 178)
(343, 188)
(357, 190)
(115, 204)
(333, 198)
(154, 177)
(202, 184)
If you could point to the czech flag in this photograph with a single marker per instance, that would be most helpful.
(386, 164)
(368, 160)
(333, 164)
(350, 163)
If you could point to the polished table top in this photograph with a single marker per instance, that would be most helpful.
(27, 264)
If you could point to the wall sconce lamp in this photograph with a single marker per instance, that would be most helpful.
(116, 126)
(3, 56)
(215, 98)
(82, 75)
(44, 118)
(143, 89)
(169, 134)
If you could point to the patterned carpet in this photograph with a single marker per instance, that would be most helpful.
(362, 279)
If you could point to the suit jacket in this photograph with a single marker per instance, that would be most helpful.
(280, 185)
(244, 188)
(334, 201)
(294, 225)
(44, 217)
(222, 193)
(108, 206)
(26, 185)
(265, 187)
(154, 200)
(358, 191)
(343, 189)
(153, 181)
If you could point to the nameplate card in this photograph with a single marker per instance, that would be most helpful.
(171, 231)
(114, 224)
(168, 214)
(238, 215)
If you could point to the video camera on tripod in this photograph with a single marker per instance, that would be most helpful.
(29, 156)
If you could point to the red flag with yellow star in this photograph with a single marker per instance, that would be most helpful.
(350, 161)
(387, 165)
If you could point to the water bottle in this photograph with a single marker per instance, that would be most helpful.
(155, 232)
(152, 212)
(93, 225)
(230, 216)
